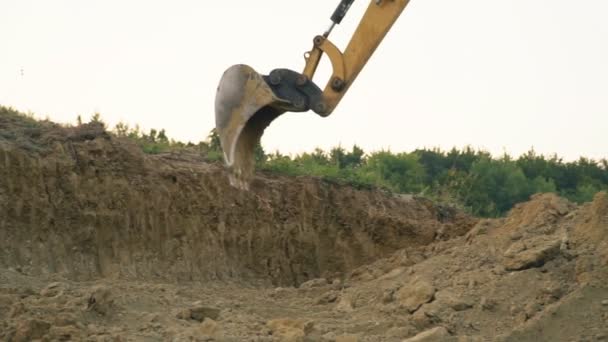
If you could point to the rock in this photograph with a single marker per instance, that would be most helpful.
(532, 253)
(516, 236)
(345, 304)
(487, 304)
(453, 301)
(438, 334)
(400, 332)
(328, 297)
(584, 269)
(183, 314)
(393, 273)
(53, 289)
(26, 292)
(199, 313)
(329, 337)
(64, 319)
(152, 318)
(347, 338)
(17, 309)
(553, 290)
(210, 327)
(31, 329)
(278, 292)
(470, 339)
(93, 329)
(66, 333)
(421, 320)
(101, 300)
(6, 302)
(531, 309)
(481, 228)
(412, 296)
(605, 302)
(202, 312)
(388, 296)
(290, 329)
(314, 283)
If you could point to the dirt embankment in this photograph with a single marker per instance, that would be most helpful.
(92, 206)
(103, 243)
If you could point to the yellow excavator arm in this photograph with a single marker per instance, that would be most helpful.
(247, 102)
(375, 24)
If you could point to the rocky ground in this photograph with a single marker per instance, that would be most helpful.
(100, 242)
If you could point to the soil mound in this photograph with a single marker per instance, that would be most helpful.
(96, 206)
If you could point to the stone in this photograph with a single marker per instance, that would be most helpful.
(421, 320)
(394, 273)
(53, 289)
(31, 329)
(388, 296)
(209, 327)
(64, 319)
(202, 312)
(523, 255)
(487, 304)
(65, 333)
(314, 283)
(553, 290)
(17, 309)
(290, 329)
(400, 331)
(345, 304)
(101, 300)
(470, 339)
(329, 337)
(328, 297)
(278, 292)
(412, 296)
(437, 334)
(347, 338)
(453, 301)
(531, 309)
(183, 314)
(198, 314)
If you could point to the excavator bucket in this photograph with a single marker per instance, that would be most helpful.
(244, 106)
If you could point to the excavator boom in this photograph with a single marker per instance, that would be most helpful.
(247, 102)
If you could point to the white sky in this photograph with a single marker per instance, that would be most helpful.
(498, 75)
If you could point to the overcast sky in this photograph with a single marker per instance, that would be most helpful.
(497, 75)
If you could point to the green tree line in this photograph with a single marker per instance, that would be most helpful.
(475, 180)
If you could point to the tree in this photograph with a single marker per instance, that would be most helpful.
(496, 186)
(399, 172)
(121, 129)
(214, 141)
(96, 119)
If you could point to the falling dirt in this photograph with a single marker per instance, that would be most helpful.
(103, 243)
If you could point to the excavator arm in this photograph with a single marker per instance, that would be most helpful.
(247, 102)
(375, 24)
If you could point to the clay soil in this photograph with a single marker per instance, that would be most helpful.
(100, 242)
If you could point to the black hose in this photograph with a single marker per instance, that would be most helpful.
(340, 12)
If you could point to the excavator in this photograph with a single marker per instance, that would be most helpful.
(247, 102)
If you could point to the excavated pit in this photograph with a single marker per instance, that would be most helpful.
(88, 205)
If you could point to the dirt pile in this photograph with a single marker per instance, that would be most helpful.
(98, 207)
(103, 243)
